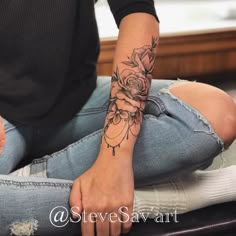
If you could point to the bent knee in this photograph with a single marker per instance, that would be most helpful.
(214, 104)
(2, 135)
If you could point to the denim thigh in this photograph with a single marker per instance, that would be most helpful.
(90, 118)
(16, 147)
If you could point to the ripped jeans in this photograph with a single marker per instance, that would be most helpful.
(174, 138)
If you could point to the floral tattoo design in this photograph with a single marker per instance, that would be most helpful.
(128, 95)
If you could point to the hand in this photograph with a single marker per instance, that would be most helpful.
(103, 189)
(2, 135)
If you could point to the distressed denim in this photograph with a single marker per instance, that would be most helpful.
(175, 138)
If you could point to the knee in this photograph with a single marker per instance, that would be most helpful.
(223, 114)
(215, 105)
(228, 125)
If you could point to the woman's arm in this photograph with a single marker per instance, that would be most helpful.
(132, 74)
(108, 184)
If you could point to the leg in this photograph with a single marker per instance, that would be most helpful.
(188, 192)
(90, 118)
(15, 145)
(26, 203)
(46, 210)
(174, 138)
(216, 105)
(164, 114)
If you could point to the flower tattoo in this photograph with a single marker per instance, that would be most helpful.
(128, 95)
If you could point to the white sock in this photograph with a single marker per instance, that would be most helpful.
(183, 194)
(187, 193)
(22, 172)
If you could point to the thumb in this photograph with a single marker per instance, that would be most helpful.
(76, 199)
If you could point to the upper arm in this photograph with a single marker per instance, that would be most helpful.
(122, 8)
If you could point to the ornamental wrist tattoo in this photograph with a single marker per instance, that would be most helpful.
(129, 89)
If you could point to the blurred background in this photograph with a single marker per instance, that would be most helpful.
(178, 15)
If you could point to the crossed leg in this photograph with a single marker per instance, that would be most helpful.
(216, 105)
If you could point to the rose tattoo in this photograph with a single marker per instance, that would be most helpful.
(128, 95)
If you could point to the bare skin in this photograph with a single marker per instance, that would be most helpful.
(214, 104)
(2, 135)
(108, 184)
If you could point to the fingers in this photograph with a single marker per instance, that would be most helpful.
(88, 225)
(126, 219)
(101, 215)
(115, 224)
(102, 227)
(76, 199)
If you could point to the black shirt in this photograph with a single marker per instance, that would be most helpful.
(48, 56)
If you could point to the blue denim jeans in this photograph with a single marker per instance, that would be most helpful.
(174, 138)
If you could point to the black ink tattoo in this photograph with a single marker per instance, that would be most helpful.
(128, 95)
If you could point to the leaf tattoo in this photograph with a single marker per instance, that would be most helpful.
(128, 95)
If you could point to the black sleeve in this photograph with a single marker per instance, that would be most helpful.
(122, 8)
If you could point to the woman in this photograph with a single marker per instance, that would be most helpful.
(143, 134)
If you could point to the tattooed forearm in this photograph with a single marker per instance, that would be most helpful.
(128, 94)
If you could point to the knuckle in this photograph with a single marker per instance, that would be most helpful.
(102, 208)
(113, 206)
(105, 206)
(127, 204)
(87, 206)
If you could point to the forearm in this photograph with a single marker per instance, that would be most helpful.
(132, 73)
(111, 180)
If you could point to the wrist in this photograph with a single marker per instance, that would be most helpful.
(122, 156)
